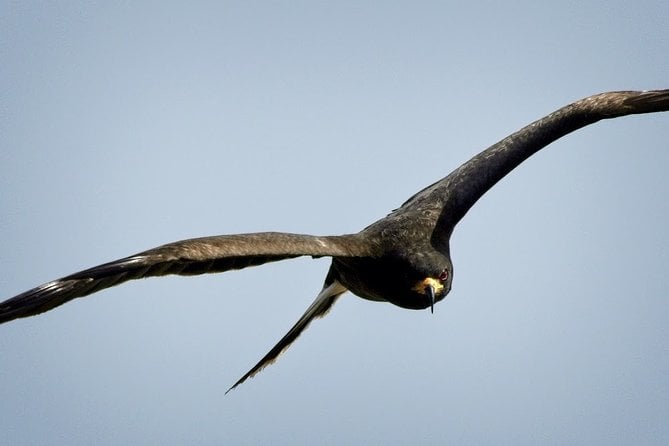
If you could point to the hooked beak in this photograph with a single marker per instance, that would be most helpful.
(429, 289)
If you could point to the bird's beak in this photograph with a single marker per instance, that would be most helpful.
(429, 289)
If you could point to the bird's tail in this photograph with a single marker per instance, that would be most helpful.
(319, 308)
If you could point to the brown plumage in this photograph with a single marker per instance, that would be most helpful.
(403, 258)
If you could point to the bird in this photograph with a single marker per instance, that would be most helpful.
(403, 258)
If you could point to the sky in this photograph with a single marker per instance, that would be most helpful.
(126, 125)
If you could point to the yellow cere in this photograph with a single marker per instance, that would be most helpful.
(429, 281)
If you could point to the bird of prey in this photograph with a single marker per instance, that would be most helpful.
(403, 258)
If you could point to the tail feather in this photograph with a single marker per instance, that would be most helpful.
(319, 308)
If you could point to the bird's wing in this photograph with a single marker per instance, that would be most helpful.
(458, 192)
(319, 308)
(186, 257)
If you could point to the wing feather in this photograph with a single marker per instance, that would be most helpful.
(187, 257)
(455, 194)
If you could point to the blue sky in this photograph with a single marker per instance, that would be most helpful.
(130, 125)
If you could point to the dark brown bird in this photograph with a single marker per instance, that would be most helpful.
(403, 258)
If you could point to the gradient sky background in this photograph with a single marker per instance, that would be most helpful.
(130, 125)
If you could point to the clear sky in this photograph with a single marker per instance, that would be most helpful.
(127, 125)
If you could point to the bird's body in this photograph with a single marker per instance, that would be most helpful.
(403, 258)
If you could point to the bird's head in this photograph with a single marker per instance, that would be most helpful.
(433, 289)
(415, 282)
(430, 281)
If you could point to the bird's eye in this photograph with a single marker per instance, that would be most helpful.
(444, 275)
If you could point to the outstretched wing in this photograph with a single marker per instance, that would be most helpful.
(458, 192)
(186, 257)
(319, 308)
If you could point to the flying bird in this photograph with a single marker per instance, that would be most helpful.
(403, 258)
